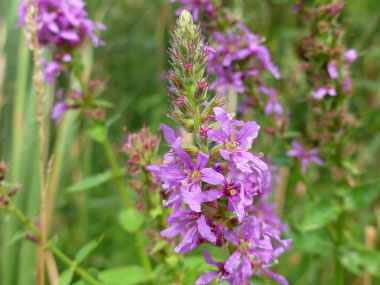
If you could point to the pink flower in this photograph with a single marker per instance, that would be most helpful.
(350, 55)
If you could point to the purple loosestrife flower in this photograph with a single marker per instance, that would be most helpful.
(273, 106)
(350, 55)
(323, 91)
(58, 111)
(332, 68)
(217, 192)
(235, 143)
(238, 56)
(306, 156)
(253, 239)
(192, 226)
(62, 22)
(63, 25)
(189, 176)
(196, 6)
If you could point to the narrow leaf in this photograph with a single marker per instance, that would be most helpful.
(87, 249)
(90, 182)
(66, 276)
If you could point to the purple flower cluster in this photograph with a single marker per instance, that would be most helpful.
(338, 70)
(196, 6)
(305, 156)
(218, 188)
(63, 25)
(217, 199)
(240, 56)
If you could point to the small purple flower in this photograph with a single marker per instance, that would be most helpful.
(347, 84)
(332, 69)
(235, 143)
(350, 55)
(52, 69)
(196, 6)
(62, 24)
(58, 111)
(321, 92)
(306, 156)
(239, 55)
(192, 226)
(273, 106)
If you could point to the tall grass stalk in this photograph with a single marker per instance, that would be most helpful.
(32, 14)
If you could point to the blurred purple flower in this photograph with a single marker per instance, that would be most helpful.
(321, 92)
(306, 156)
(332, 69)
(350, 55)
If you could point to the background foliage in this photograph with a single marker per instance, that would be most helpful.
(134, 61)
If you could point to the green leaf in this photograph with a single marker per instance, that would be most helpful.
(87, 249)
(154, 213)
(315, 242)
(361, 195)
(90, 182)
(98, 132)
(128, 275)
(66, 276)
(131, 220)
(158, 246)
(16, 237)
(318, 215)
(358, 259)
(351, 166)
(103, 103)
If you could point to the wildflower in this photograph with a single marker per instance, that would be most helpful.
(332, 69)
(63, 26)
(321, 92)
(195, 6)
(350, 55)
(306, 156)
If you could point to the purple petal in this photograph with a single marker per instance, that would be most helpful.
(69, 35)
(206, 278)
(350, 55)
(320, 93)
(186, 158)
(248, 133)
(211, 195)
(276, 277)
(208, 258)
(332, 69)
(210, 176)
(202, 160)
(225, 154)
(246, 269)
(205, 230)
(168, 133)
(187, 239)
(218, 136)
(232, 261)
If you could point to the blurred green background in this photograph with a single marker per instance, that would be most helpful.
(134, 61)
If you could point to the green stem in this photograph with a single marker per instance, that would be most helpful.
(116, 173)
(128, 204)
(34, 230)
(339, 270)
(80, 271)
(23, 219)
